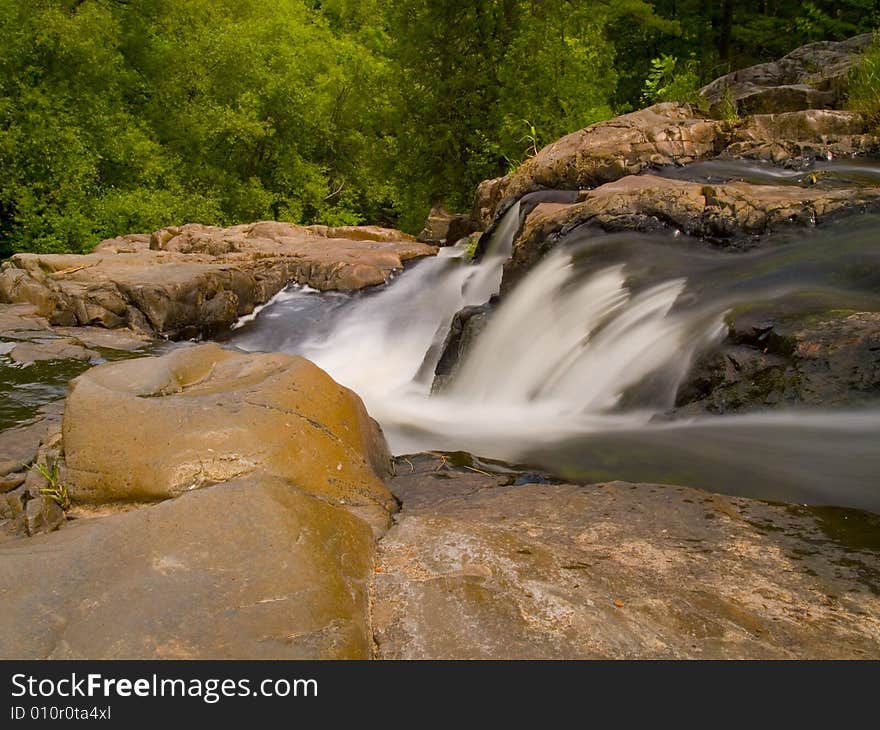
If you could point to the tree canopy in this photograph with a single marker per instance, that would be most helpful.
(122, 116)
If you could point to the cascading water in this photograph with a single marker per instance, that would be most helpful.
(581, 360)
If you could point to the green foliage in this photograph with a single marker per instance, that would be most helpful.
(864, 83)
(54, 489)
(671, 80)
(128, 115)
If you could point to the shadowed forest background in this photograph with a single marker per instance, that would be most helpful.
(119, 116)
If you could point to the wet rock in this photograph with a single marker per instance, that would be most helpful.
(730, 214)
(199, 279)
(466, 326)
(474, 569)
(813, 76)
(252, 569)
(203, 415)
(829, 358)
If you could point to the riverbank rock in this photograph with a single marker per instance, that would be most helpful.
(475, 569)
(203, 415)
(192, 280)
(250, 569)
(813, 76)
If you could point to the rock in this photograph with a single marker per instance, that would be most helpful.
(813, 76)
(199, 279)
(122, 339)
(12, 504)
(810, 134)
(444, 228)
(28, 353)
(730, 214)
(19, 446)
(663, 134)
(11, 481)
(826, 358)
(486, 201)
(476, 570)
(466, 325)
(251, 569)
(42, 514)
(20, 322)
(154, 428)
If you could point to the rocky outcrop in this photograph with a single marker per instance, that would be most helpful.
(801, 135)
(479, 568)
(203, 415)
(729, 214)
(192, 280)
(250, 569)
(813, 76)
(663, 134)
(816, 358)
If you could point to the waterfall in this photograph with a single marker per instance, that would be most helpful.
(579, 363)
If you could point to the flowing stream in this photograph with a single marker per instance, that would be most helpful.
(578, 368)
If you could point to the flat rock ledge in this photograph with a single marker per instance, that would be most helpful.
(197, 280)
(475, 569)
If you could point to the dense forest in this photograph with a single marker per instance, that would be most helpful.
(126, 115)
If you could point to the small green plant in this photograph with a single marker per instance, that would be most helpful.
(54, 489)
(531, 137)
(727, 109)
(671, 79)
(864, 84)
(471, 249)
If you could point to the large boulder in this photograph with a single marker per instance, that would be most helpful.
(813, 76)
(479, 568)
(251, 569)
(155, 428)
(190, 280)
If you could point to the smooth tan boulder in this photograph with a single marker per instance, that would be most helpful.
(251, 569)
(154, 428)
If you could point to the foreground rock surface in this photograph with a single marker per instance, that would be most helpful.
(182, 282)
(203, 415)
(551, 571)
(252, 569)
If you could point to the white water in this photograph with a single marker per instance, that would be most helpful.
(556, 358)
(547, 381)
